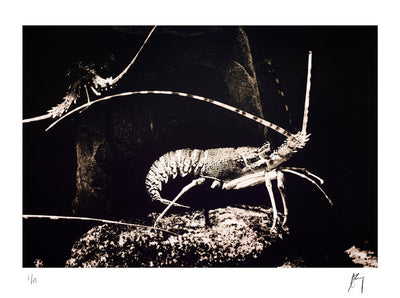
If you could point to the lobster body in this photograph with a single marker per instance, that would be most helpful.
(220, 165)
(226, 167)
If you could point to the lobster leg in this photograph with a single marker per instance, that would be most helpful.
(167, 202)
(307, 172)
(195, 182)
(207, 216)
(268, 184)
(309, 179)
(280, 179)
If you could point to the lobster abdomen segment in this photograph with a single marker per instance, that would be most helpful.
(172, 164)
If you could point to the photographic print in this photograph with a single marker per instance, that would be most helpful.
(200, 146)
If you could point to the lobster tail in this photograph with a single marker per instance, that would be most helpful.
(154, 186)
(172, 164)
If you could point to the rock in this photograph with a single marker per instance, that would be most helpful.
(365, 258)
(237, 236)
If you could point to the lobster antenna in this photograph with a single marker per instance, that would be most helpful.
(307, 99)
(134, 58)
(201, 98)
(57, 217)
(278, 86)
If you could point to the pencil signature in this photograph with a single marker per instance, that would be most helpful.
(354, 280)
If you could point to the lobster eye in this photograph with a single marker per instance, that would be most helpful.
(264, 150)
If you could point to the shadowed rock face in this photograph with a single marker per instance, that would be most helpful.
(237, 237)
(117, 141)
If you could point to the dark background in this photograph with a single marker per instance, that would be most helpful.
(342, 120)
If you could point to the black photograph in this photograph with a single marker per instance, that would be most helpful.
(200, 146)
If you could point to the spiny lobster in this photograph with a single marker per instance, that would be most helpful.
(228, 168)
(233, 168)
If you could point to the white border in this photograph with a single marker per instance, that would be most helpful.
(196, 282)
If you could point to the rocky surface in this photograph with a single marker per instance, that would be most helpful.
(237, 236)
(365, 258)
